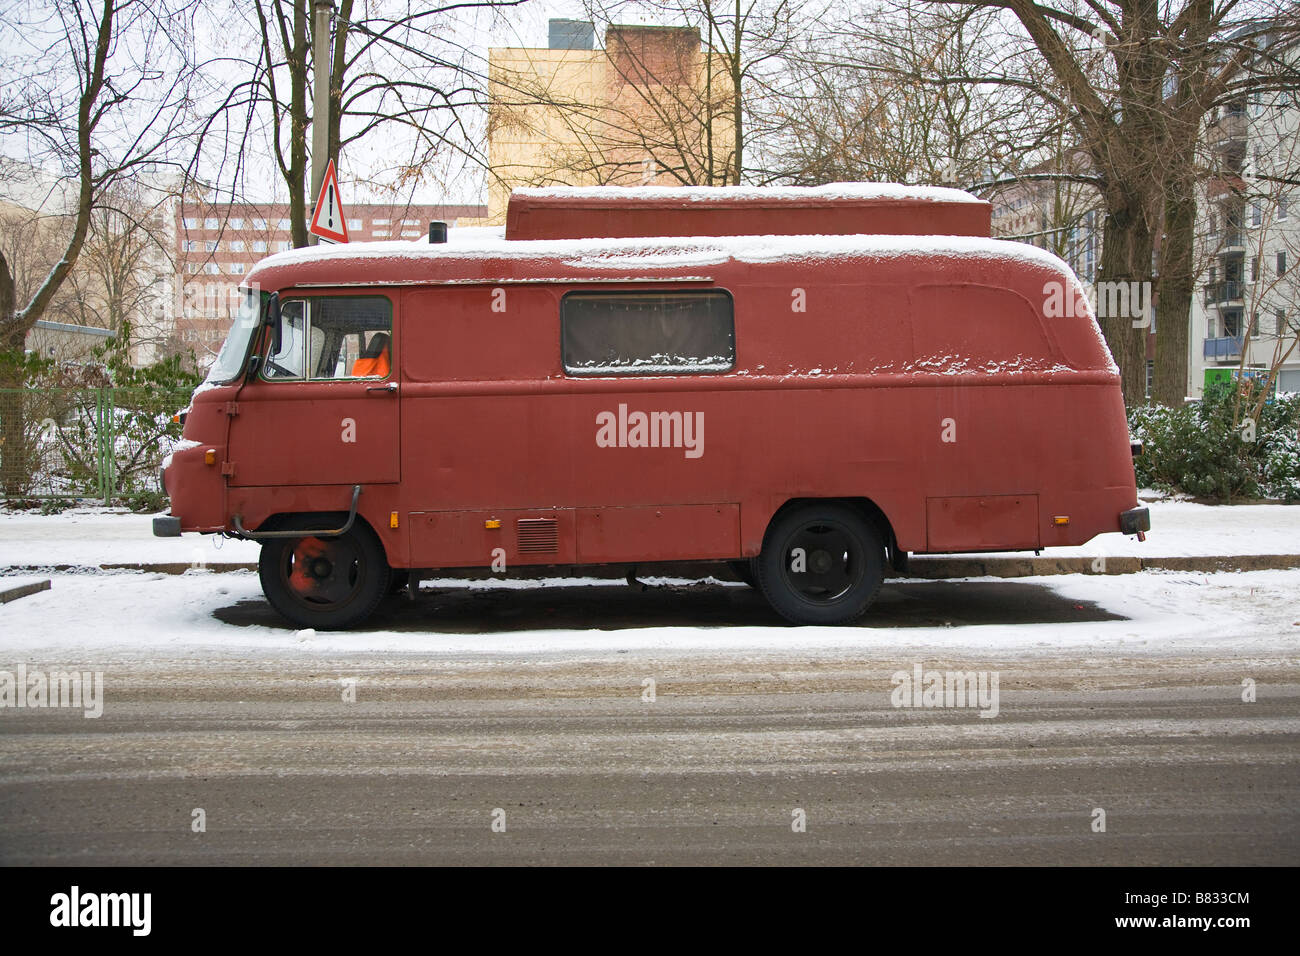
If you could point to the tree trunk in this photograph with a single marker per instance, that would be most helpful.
(12, 339)
(737, 113)
(1174, 291)
(338, 65)
(296, 180)
(1126, 257)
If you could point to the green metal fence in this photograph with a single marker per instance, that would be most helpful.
(78, 443)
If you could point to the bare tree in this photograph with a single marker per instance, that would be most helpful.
(1139, 77)
(397, 75)
(97, 91)
(874, 102)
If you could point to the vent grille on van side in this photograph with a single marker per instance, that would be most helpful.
(537, 535)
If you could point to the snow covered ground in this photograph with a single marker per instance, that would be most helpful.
(99, 536)
(128, 615)
(141, 614)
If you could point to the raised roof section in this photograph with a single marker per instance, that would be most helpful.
(622, 212)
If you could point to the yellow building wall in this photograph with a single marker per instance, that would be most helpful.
(569, 117)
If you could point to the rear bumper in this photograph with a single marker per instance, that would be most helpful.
(1135, 521)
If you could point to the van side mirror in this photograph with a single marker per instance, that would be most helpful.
(273, 320)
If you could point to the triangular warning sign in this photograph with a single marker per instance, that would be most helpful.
(328, 222)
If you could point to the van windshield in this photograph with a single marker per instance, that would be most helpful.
(231, 358)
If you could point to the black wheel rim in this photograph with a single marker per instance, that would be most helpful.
(822, 561)
(322, 573)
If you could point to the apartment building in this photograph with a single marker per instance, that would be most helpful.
(1247, 310)
(650, 107)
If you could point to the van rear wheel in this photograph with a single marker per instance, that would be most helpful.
(821, 564)
(327, 583)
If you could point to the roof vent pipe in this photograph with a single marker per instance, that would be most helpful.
(437, 232)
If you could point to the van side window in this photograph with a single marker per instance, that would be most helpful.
(333, 337)
(647, 333)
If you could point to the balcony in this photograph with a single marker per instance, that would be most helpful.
(1225, 349)
(1220, 293)
(1233, 241)
(1227, 129)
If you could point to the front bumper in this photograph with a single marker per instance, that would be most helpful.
(1135, 521)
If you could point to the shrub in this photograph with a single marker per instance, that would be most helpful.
(1207, 448)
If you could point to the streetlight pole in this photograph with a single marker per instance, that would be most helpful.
(320, 125)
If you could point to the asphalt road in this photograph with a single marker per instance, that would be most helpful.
(580, 768)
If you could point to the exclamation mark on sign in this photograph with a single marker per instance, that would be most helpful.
(330, 208)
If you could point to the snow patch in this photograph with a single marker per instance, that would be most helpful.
(830, 192)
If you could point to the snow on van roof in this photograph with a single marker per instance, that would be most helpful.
(831, 192)
(672, 252)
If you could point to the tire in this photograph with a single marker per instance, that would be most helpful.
(326, 583)
(839, 572)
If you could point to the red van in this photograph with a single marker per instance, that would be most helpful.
(811, 382)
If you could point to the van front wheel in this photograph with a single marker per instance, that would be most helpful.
(327, 583)
(821, 564)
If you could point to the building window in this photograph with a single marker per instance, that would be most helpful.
(236, 268)
(210, 245)
(259, 245)
(647, 333)
(1254, 268)
(1281, 262)
(283, 224)
(1256, 214)
(1279, 322)
(1214, 224)
(1254, 323)
(191, 223)
(1281, 208)
(1214, 273)
(212, 269)
(410, 222)
(284, 245)
(189, 245)
(236, 224)
(210, 223)
(380, 222)
(354, 223)
(237, 245)
(259, 223)
(192, 268)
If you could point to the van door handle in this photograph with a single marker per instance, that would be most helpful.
(388, 388)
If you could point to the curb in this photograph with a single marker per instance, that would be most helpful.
(23, 590)
(923, 568)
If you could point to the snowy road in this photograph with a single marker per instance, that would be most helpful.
(732, 754)
(685, 723)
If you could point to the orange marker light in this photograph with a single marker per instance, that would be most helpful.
(1061, 519)
(492, 523)
(392, 519)
(210, 457)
